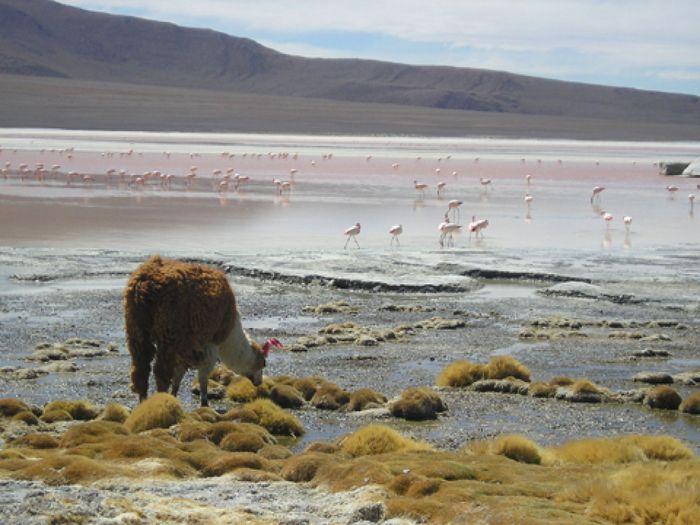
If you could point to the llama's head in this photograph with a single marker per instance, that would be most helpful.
(261, 352)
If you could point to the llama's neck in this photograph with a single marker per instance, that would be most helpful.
(236, 351)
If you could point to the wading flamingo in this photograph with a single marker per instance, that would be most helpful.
(447, 229)
(528, 178)
(672, 189)
(595, 194)
(440, 186)
(420, 186)
(607, 217)
(627, 220)
(395, 231)
(454, 205)
(352, 233)
(485, 183)
(691, 201)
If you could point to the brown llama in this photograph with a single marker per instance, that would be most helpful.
(185, 315)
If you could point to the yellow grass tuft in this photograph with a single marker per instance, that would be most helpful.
(275, 452)
(584, 386)
(625, 449)
(561, 381)
(276, 420)
(206, 414)
(26, 417)
(241, 390)
(241, 414)
(80, 410)
(91, 432)
(65, 469)
(242, 442)
(286, 396)
(691, 404)
(191, 430)
(307, 386)
(364, 398)
(235, 460)
(505, 366)
(663, 397)
(9, 406)
(37, 440)
(461, 374)
(379, 439)
(55, 416)
(418, 404)
(303, 467)
(518, 448)
(114, 412)
(330, 396)
(540, 389)
(161, 410)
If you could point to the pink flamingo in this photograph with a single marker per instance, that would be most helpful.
(607, 217)
(595, 194)
(420, 186)
(352, 233)
(240, 179)
(395, 231)
(672, 189)
(395, 165)
(627, 220)
(440, 186)
(447, 229)
(485, 183)
(691, 200)
(528, 178)
(223, 186)
(454, 205)
(477, 226)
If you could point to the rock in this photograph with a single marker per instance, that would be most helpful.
(566, 394)
(298, 348)
(656, 337)
(60, 367)
(112, 347)
(366, 340)
(586, 291)
(22, 374)
(450, 324)
(334, 307)
(688, 378)
(653, 378)
(504, 386)
(372, 512)
(53, 353)
(635, 395)
(650, 352)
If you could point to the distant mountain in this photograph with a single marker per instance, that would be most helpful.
(48, 39)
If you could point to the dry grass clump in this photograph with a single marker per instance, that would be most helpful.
(320, 446)
(55, 416)
(114, 412)
(242, 442)
(275, 452)
(161, 410)
(625, 449)
(584, 386)
(418, 404)
(561, 381)
(205, 414)
(80, 410)
(244, 415)
(330, 396)
(91, 432)
(540, 389)
(222, 375)
(65, 469)
(276, 420)
(504, 366)
(307, 386)
(37, 440)
(461, 374)
(365, 398)
(379, 439)
(518, 448)
(663, 397)
(691, 404)
(242, 390)
(232, 461)
(192, 430)
(26, 417)
(286, 396)
(9, 406)
(303, 467)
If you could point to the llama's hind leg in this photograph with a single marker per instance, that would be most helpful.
(142, 353)
(163, 371)
(211, 355)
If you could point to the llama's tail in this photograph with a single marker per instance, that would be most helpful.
(138, 319)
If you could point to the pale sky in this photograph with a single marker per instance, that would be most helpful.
(646, 44)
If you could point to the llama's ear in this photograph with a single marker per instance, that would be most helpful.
(269, 344)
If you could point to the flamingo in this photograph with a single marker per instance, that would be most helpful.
(395, 165)
(352, 233)
(484, 182)
(216, 173)
(395, 231)
(672, 189)
(628, 222)
(368, 158)
(607, 217)
(528, 201)
(223, 186)
(447, 229)
(293, 172)
(595, 194)
(240, 179)
(454, 205)
(528, 178)
(691, 200)
(282, 185)
(420, 186)
(477, 226)
(440, 186)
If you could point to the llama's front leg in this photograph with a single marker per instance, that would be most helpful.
(177, 379)
(204, 371)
